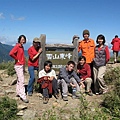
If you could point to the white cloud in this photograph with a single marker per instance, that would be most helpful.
(2, 16)
(17, 18)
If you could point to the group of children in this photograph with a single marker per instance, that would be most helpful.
(90, 70)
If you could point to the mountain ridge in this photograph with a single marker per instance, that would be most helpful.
(4, 52)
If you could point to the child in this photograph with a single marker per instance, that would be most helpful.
(18, 54)
(48, 81)
(84, 72)
(102, 56)
(68, 77)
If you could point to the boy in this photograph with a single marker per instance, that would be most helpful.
(68, 77)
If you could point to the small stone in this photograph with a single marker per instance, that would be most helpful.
(2, 94)
(9, 91)
(5, 85)
(20, 113)
(22, 107)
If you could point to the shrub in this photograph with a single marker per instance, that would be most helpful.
(112, 75)
(9, 66)
(112, 101)
(8, 108)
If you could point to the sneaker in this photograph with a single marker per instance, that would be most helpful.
(25, 100)
(97, 93)
(65, 98)
(45, 100)
(29, 94)
(73, 97)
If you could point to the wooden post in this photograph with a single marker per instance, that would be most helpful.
(75, 51)
(42, 56)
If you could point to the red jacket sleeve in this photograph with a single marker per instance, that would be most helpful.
(13, 52)
(107, 54)
(30, 53)
(88, 72)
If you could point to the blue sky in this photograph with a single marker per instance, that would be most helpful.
(58, 19)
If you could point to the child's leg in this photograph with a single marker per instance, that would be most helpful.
(88, 82)
(75, 83)
(100, 78)
(55, 86)
(45, 93)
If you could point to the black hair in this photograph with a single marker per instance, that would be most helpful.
(71, 62)
(82, 57)
(21, 37)
(100, 37)
(116, 36)
(48, 63)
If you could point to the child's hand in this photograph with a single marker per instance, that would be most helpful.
(72, 85)
(77, 71)
(82, 84)
(46, 78)
(50, 78)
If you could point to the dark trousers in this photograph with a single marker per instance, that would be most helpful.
(54, 88)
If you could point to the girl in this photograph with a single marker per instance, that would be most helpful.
(102, 56)
(84, 72)
(18, 54)
(48, 80)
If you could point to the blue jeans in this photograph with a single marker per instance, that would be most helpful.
(32, 78)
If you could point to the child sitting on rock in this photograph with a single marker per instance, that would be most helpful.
(68, 77)
(48, 80)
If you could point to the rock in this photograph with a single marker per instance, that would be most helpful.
(29, 115)
(20, 113)
(2, 94)
(21, 107)
(5, 85)
(9, 91)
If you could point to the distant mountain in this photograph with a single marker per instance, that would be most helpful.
(4, 52)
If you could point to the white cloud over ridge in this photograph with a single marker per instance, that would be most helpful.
(17, 18)
(2, 16)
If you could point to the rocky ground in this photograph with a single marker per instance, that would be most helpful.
(35, 109)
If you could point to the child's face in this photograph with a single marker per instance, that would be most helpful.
(100, 41)
(22, 41)
(86, 36)
(47, 68)
(82, 62)
(70, 67)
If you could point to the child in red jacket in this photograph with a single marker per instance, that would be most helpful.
(84, 72)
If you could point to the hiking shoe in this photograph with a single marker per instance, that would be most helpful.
(97, 93)
(73, 97)
(25, 100)
(29, 94)
(65, 98)
(45, 100)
